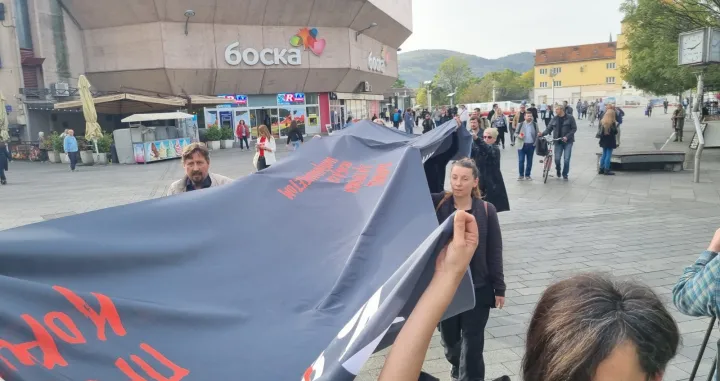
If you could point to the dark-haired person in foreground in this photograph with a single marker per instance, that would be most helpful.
(196, 161)
(593, 328)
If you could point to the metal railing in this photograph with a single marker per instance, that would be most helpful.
(700, 146)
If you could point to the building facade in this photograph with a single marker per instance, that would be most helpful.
(572, 73)
(322, 60)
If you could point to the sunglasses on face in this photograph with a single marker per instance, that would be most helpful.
(487, 137)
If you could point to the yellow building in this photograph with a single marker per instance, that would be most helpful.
(583, 72)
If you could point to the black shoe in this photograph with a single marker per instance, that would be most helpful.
(3, 182)
(559, 175)
(601, 171)
(609, 173)
(565, 178)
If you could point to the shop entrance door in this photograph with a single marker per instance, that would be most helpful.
(337, 116)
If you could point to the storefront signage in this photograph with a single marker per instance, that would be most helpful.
(8, 109)
(290, 99)
(238, 100)
(267, 56)
(376, 64)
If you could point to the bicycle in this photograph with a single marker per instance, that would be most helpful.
(547, 161)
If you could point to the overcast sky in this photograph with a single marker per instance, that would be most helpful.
(496, 28)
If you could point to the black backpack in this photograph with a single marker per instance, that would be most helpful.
(541, 148)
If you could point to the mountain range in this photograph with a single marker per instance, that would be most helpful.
(421, 65)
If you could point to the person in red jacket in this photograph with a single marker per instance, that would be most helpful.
(243, 133)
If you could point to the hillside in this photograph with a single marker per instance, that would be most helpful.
(420, 65)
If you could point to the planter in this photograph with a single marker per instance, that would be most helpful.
(214, 145)
(53, 156)
(86, 157)
(100, 158)
(225, 144)
(64, 158)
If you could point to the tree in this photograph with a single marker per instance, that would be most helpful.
(421, 96)
(399, 84)
(652, 29)
(453, 75)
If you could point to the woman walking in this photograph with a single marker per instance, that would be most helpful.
(486, 155)
(294, 136)
(549, 114)
(606, 133)
(5, 158)
(463, 336)
(500, 123)
(243, 133)
(265, 149)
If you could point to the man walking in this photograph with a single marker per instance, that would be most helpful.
(70, 146)
(665, 105)
(464, 115)
(528, 134)
(396, 118)
(409, 121)
(563, 127)
(678, 121)
(196, 162)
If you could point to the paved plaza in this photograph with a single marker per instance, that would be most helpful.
(641, 225)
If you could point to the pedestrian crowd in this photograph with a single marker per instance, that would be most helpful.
(589, 327)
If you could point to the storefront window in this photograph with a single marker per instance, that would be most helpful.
(288, 114)
(312, 99)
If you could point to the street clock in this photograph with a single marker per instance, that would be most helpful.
(692, 47)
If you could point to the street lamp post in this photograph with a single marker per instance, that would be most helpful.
(493, 90)
(552, 78)
(428, 92)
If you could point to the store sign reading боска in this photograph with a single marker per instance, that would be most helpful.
(267, 56)
(305, 39)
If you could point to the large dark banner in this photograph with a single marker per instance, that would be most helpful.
(299, 272)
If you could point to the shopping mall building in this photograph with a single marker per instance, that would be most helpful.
(321, 61)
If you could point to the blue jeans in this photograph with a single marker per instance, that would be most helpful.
(296, 145)
(559, 149)
(525, 159)
(605, 158)
(73, 157)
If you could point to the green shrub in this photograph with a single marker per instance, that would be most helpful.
(214, 134)
(105, 142)
(227, 134)
(57, 142)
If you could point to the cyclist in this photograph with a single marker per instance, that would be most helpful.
(563, 127)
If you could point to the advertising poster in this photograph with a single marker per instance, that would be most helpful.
(211, 119)
(139, 153)
(164, 149)
(289, 114)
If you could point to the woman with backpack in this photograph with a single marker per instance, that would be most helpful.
(463, 336)
(607, 132)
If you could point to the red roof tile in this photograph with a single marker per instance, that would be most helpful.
(602, 51)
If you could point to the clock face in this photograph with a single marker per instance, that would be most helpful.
(714, 53)
(692, 48)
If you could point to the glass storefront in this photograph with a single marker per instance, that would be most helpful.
(278, 113)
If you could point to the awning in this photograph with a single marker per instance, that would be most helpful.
(157, 116)
(126, 103)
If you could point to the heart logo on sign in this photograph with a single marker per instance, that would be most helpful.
(307, 38)
(318, 46)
